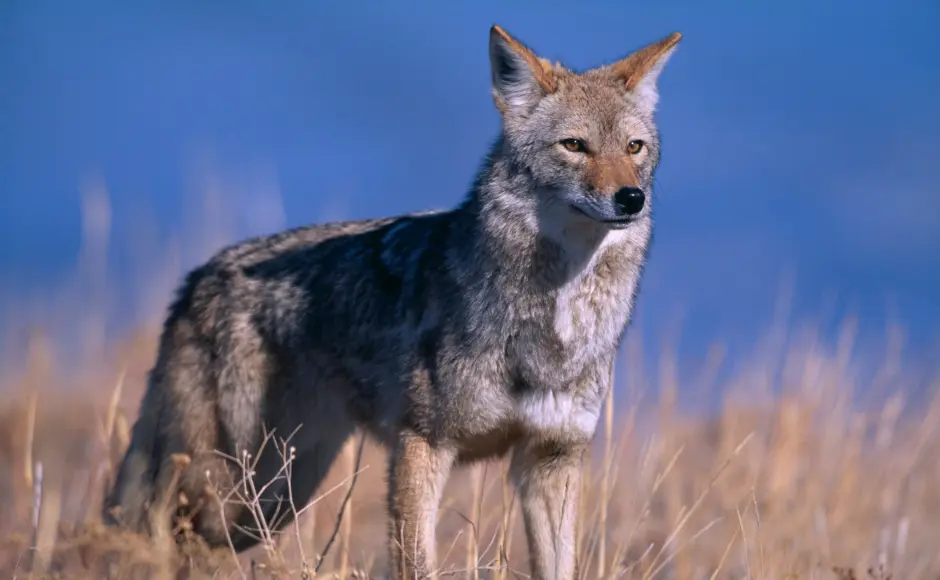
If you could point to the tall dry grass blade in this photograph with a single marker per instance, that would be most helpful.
(605, 479)
(747, 555)
(28, 449)
(680, 549)
(760, 535)
(352, 461)
(111, 424)
(161, 514)
(46, 516)
(38, 365)
(37, 498)
(645, 510)
(342, 508)
(112, 413)
(698, 502)
(228, 536)
(724, 556)
(505, 529)
(474, 523)
(290, 455)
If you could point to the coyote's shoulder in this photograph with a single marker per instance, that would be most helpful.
(450, 335)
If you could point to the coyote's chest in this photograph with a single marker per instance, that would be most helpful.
(588, 316)
(569, 339)
(592, 309)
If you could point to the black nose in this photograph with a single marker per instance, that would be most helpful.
(629, 200)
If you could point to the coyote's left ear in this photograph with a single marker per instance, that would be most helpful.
(640, 70)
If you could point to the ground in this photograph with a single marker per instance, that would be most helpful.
(794, 482)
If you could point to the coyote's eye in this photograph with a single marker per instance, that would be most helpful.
(573, 145)
(635, 146)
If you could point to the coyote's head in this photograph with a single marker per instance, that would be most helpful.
(587, 140)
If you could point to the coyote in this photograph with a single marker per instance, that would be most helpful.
(450, 336)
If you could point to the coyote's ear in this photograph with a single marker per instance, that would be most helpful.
(520, 78)
(640, 70)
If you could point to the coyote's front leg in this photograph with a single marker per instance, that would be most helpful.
(417, 475)
(548, 476)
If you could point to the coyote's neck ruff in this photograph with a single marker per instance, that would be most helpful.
(563, 282)
(451, 336)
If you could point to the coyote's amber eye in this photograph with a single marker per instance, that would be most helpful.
(635, 146)
(573, 145)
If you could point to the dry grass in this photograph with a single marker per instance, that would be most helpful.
(794, 478)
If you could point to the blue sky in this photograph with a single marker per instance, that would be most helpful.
(801, 139)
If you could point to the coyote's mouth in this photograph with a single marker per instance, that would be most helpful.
(619, 224)
(614, 224)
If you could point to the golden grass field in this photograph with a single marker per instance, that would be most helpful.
(793, 478)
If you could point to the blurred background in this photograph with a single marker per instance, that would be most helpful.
(798, 182)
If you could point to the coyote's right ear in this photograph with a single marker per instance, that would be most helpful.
(640, 71)
(520, 78)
